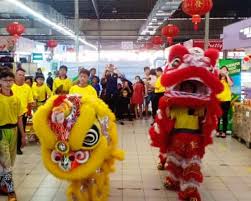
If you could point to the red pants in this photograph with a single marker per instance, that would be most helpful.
(184, 164)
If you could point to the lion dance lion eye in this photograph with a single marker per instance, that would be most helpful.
(175, 63)
(92, 137)
(56, 156)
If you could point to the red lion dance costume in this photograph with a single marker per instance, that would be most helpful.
(187, 117)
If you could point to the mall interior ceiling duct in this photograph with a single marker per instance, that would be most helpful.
(162, 10)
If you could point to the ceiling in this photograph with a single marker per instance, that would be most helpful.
(121, 20)
(108, 9)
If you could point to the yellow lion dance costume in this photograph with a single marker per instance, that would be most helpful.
(79, 140)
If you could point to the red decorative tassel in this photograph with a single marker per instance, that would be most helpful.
(170, 40)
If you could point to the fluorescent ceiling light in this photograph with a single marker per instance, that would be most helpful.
(64, 31)
(163, 14)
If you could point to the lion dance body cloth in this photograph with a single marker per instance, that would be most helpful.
(187, 117)
(79, 144)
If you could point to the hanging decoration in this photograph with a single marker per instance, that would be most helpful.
(196, 8)
(170, 31)
(15, 29)
(247, 58)
(196, 19)
(52, 43)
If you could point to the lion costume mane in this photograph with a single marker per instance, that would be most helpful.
(79, 140)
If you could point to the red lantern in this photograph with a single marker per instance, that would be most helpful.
(15, 29)
(196, 8)
(170, 31)
(52, 43)
(157, 40)
(247, 58)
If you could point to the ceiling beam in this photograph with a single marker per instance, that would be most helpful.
(94, 3)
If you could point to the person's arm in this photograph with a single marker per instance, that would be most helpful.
(34, 93)
(70, 84)
(168, 113)
(21, 129)
(129, 89)
(71, 90)
(48, 92)
(229, 81)
(31, 102)
(94, 92)
(54, 86)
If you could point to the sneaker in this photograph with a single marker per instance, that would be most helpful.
(121, 123)
(19, 152)
(218, 134)
(161, 166)
(223, 135)
(12, 197)
(193, 199)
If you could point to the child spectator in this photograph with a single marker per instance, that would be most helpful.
(40, 90)
(96, 85)
(11, 111)
(83, 88)
(29, 80)
(123, 105)
(62, 84)
(93, 75)
(138, 97)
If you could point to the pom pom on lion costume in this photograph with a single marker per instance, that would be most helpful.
(187, 117)
(79, 140)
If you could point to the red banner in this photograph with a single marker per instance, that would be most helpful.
(217, 44)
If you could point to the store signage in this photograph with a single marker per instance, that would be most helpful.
(217, 44)
(37, 56)
(234, 67)
(245, 33)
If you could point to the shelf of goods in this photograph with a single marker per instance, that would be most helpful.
(242, 122)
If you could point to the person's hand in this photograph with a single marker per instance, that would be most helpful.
(167, 110)
(24, 140)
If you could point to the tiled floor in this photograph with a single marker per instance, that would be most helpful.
(227, 169)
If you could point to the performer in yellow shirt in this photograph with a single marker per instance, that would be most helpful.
(24, 93)
(62, 84)
(11, 112)
(225, 98)
(40, 90)
(83, 88)
(158, 91)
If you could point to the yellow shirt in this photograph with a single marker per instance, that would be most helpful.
(226, 94)
(66, 83)
(158, 87)
(185, 121)
(24, 93)
(41, 93)
(83, 91)
(10, 109)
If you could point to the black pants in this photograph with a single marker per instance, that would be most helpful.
(225, 106)
(112, 101)
(19, 134)
(155, 103)
(123, 108)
